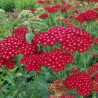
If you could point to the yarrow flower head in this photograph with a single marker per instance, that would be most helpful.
(10, 47)
(57, 60)
(51, 9)
(82, 82)
(21, 31)
(87, 15)
(43, 16)
(96, 41)
(9, 64)
(32, 10)
(34, 61)
(43, 1)
(8, 50)
(71, 38)
(93, 69)
(93, 72)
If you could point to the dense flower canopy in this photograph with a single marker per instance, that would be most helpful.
(71, 39)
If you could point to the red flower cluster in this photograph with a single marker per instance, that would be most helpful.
(71, 38)
(76, 12)
(34, 61)
(27, 48)
(51, 9)
(58, 7)
(14, 45)
(40, 1)
(43, 16)
(93, 72)
(93, 69)
(32, 10)
(82, 82)
(87, 15)
(20, 31)
(43, 1)
(8, 64)
(66, 6)
(68, 96)
(57, 60)
(96, 41)
(9, 49)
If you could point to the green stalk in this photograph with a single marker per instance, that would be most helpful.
(52, 17)
(20, 67)
(94, 95)
(22, 71)
(49, 19)
(6, 72)
(56, 75)
(81, 97)
(84, 62)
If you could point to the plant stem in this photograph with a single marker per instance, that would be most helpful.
(23, 76)
(81, 97)
(94, 95)
(56, 75)
(83, 59)
(7, 73)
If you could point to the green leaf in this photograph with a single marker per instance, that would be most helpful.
(29, 37)
(1, 95)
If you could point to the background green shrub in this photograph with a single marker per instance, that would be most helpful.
(7, 5)
(24, 4)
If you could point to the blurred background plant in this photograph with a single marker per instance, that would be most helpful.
(24, 4)
(4, 24)
(11, 5)
(7, 5)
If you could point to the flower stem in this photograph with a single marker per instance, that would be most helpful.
(56, 75)
(94, 95)
(23, 76)
(81, 97)
(84, 61)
